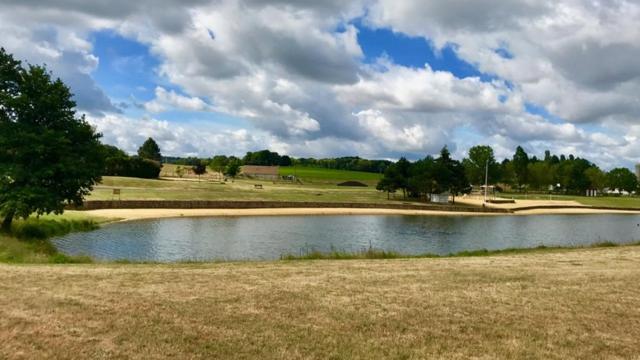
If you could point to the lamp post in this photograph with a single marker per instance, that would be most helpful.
(486, 180)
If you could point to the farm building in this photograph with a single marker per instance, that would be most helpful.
(260, 172)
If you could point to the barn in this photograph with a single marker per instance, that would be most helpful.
(260, 172)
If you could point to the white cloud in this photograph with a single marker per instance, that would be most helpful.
(296, 72)
(166, 100)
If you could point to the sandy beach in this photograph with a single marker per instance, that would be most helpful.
(140, 214)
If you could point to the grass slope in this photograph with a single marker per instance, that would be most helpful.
(143, 189)
(332, 176)
(569, 304)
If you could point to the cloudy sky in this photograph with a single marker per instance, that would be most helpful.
(378, 78)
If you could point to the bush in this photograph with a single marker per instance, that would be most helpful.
(40, 229)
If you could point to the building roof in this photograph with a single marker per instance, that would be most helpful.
(259, 170)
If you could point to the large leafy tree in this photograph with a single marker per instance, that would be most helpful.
(449, 175)
(520, 166)
(48, 156)
(150, 150)
(623, 179)
(475, 166)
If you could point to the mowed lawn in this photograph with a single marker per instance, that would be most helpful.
(552, 305)
(329, 176)
(191, 189)
(632, 202)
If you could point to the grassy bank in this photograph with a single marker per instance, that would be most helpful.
(372, 253)
(557, 305)
(29, 242)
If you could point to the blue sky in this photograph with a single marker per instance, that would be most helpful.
(378, 79)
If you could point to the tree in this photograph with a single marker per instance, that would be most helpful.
(48, 156)
(150, 150)
(180, 171)
(387, 185)
(597, 178)
(540, 174)
(475, 166)
(623, 179)
(199, 169)
(520, 166)
(233, 168)
(449, 174)
(219, 163)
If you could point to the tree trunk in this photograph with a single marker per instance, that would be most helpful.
(6, 223)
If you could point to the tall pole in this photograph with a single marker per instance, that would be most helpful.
(486, 180)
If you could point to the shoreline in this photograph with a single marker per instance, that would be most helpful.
(155, 213)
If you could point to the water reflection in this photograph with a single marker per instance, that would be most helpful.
(233, 238)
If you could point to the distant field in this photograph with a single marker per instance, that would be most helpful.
(605, 201)
(309, 174)
(189, 189)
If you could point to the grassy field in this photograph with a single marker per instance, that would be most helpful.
(135, 189)
(566, 304)
(605, 201)
(329, 176)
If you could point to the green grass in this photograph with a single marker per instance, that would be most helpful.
(332, 176)
(29, 242)
(631, 202)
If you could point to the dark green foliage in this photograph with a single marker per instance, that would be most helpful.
(352, 163)
(476, 165)
(199, 169)
(520, 166)
(150, 150)
(623, 179)
(266, 158)
(48, 156)
(426, 176)
(118, 163)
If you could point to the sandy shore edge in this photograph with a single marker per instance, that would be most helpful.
(142, 214)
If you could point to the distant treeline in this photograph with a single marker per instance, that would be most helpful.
(553, 173)
(270, 158)
(118, 163)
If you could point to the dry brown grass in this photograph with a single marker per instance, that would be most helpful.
(562, 304)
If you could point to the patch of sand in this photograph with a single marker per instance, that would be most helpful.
(139, 214)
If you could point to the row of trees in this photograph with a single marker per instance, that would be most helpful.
(352, 163)
(270, 158)
(427, 176)
(145, 165)
(564, 174)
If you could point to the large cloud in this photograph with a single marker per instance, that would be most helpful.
(296, 72)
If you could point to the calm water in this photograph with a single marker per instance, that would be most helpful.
(234, 238)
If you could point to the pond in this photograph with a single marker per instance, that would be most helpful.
(266, 238)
